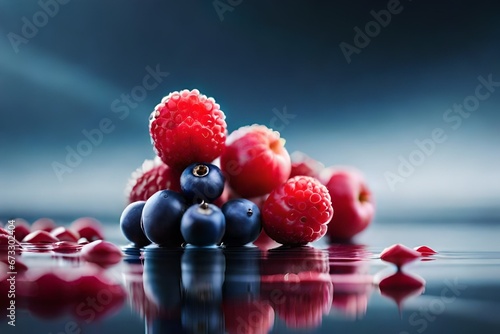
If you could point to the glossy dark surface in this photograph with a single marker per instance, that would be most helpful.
(318, 289)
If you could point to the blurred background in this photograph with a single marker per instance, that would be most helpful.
(350, 99)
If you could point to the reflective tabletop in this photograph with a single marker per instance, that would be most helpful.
(267, 288)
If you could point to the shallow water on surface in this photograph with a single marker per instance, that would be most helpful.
(316, 289)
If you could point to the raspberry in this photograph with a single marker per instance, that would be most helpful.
(153, 176)
(298, 211)
(187, 127)
(302, 164)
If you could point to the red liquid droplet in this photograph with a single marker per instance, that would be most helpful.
(40, 237)
(64, 234)
(88, 228)
(399, 255)
(425, 250)
(102, 252)
(43, 224)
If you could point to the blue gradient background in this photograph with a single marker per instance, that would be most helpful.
(263, 55)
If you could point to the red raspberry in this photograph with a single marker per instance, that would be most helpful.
(187, 127)
(302, 164)
(298, 211)
(154, 175)
(255, 160)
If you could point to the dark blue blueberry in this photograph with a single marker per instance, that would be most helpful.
(161, 218)
(243, 224)
(130, 224)
(202, 182)
(203, 225)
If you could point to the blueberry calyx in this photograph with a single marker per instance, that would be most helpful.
(201, 170)
(204, 208)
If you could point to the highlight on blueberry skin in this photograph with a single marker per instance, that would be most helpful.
(243, 222)
(202, 182)
(161, 218)
(203, 225)
(130, 224)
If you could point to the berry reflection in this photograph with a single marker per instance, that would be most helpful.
(296, 283)
(349, 273)
(202, 280)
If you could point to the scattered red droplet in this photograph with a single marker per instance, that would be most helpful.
(40, 237)
(64, 234)
(425, 250)
(102, 252)
(4, 244)
(88, 228)
(399, 254)
(4, 240)
(66, 247)
(22, 229)
(83, 241)
(43, 224)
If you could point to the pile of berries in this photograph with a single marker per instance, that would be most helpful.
(206, 187)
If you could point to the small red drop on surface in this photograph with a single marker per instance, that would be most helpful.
(40, 237)
(399, 254)
(43, 224)
(66, 247)
(64, 234)
(83, 241)
(425, 250)
(88, 228)
(102, 252)
(22, 229)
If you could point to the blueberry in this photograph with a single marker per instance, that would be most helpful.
(130, 224)
(243, 223)
(161, 218)
(202, 182)
(203, 225)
